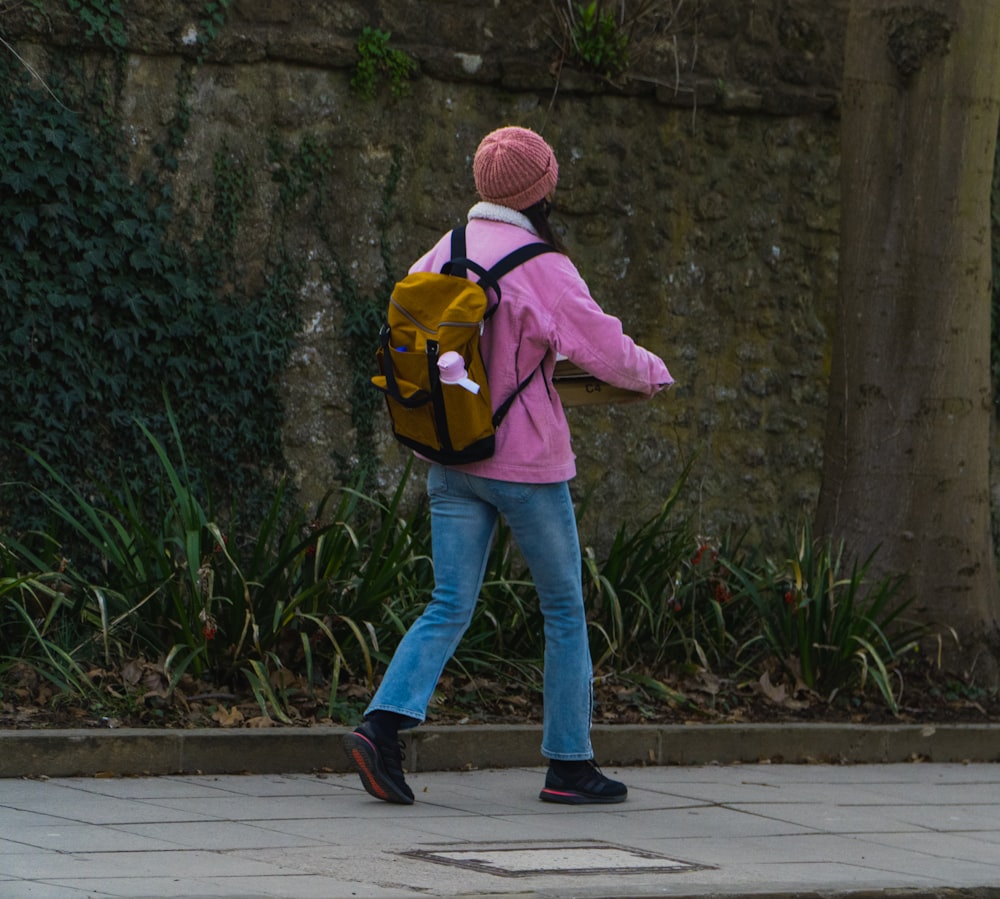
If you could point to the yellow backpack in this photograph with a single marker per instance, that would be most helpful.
(432, 371)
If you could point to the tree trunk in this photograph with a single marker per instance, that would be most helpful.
(906, 461)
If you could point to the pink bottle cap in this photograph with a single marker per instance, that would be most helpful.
(452, 368)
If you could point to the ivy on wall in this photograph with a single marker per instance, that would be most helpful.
(363, 317)
(106, 318)
(303, 174)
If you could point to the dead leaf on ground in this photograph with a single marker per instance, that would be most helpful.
(777, 693)
(227, 717)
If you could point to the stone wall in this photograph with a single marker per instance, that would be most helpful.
(699, 198)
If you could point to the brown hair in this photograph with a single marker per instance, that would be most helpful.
(538, 215)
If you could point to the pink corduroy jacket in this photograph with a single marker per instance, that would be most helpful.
(545, 310)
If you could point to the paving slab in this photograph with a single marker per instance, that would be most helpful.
(917, 830)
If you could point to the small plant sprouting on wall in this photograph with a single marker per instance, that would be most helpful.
(610, 37)
(377, 61)
(599, 41)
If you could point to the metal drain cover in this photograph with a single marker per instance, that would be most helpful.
(578, 857)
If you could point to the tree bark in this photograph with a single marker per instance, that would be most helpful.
(906, 460)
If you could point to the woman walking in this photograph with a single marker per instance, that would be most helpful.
(547, 311)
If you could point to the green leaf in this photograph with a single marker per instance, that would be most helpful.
(140, 259)
(19, 182)
(55, 136)
(26, 219)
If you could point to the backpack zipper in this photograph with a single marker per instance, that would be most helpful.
(418, 324)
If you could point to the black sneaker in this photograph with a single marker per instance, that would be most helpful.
(379, 763)
(580, 783)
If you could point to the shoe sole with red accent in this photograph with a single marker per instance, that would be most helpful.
(365, 757)
(571, 797)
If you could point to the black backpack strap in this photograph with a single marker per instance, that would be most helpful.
(458, 251)
(492, 278)
(459, 264)
(504, 407)
(506, 265)
(518, 257)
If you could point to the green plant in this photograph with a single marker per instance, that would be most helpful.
(45, 655)
(612, 38)
(363, 316)
(300, 172)
(829, 628)
(29, 603)
(285, 604)
(282, 605)
(104, 19)
(598, 39)
(105, 310)
(232, 192)
(630, 593)
(212, 20)
(177, 129)
(658, 597)
(377, 61)
(46, 634)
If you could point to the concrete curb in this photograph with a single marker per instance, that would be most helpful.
(135, 751)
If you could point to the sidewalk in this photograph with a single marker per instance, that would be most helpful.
(926, 829)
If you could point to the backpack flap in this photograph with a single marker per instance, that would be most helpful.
(431, 314)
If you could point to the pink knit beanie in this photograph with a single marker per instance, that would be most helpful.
(514, 167)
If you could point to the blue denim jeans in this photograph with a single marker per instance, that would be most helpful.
(464, 513)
